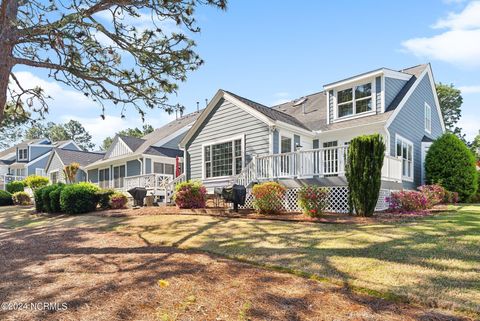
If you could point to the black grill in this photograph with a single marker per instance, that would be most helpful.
(138, 194)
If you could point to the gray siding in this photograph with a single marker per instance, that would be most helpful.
(378, 88)
(330, 106)
(93, 175)
(392, 88)
(227, 120)
(56, 164)
(133, 168)
(409, 123)
(276, 142)
(36, 152)
(148, 165)
(41, 163)
(173, 143)
(71, 146)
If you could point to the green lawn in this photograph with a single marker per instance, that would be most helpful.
(434, 260)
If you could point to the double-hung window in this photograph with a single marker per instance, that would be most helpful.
(405, 151)
(223, 159)
(23, 154)
(355, 100)
(428, 118)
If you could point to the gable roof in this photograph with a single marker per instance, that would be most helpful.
(270, 112)
(68, 156)
(132, 142)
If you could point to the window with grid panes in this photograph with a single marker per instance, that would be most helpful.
(223, 159)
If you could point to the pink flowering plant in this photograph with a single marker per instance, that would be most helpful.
(313, 200)
(191, 194)
(425, 198)
(118, 201)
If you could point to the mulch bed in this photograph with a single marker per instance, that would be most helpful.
(333, 218)
(109, 276)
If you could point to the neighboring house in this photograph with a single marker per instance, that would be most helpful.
(30, 157)
(59, 158)
(238, 140)
(142, 162)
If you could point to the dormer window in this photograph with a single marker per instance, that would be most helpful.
(23, 154)
(355, 100)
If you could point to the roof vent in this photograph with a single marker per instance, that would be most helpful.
(299, 101)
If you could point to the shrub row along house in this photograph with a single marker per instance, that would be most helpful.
(237, 140)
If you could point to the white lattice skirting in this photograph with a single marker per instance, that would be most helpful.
(337, 200)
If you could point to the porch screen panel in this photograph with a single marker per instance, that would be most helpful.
(118, 176)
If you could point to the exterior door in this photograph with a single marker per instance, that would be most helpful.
(285, 149)
(118, 176)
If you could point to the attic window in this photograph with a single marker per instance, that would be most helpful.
(355, 100)
(300, 101)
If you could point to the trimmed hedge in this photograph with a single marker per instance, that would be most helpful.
(15, 186)
(21, 198)
(37, 195)
(5, 198)
(451, 164)
(79, 198)
(46, 201)
(54, 197)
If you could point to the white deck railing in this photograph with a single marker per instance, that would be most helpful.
(308, 163)
(152, 182)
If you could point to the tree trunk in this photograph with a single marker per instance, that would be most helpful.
(7, 40)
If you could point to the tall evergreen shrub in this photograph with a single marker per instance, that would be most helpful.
(451, 164)
(364, 172)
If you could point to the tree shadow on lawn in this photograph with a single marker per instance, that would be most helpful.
(436, 258)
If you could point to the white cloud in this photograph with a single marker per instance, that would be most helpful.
(470, 89)
(62, 98)
(470, 126)
(281, 97)
(459, 44)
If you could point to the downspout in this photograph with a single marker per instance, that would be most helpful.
(142, 166)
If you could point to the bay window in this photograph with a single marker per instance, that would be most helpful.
(404, 149)
(223, 159)
(355, 100)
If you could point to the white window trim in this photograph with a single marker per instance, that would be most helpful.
(20, 156)
(352, 86)
(40, 170)
(427, 111)
(230, 139)
(407, 141)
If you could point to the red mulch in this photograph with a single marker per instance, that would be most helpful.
(108, 276)
(334, 218)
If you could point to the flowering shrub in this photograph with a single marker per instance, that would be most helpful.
(21, 198)
(268, 197)
(313, 200)
(118, 200)
(425, 198)
(190, 194)
(408, 201)
(435, 194)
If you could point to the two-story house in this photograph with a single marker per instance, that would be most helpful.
(237, 140)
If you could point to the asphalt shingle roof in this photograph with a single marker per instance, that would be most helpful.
(132, 142)
(270, 112)
(74, 156)
(163, 151)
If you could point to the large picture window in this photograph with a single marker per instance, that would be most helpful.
(223, 159)
(355, 100)
(405, 151)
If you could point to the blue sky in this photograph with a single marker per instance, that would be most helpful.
(274, 51)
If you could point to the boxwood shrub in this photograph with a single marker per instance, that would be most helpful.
(46, 201)
(37, 195)
(5, 198)
(15, 186)
(54, 197)
(79, 198)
